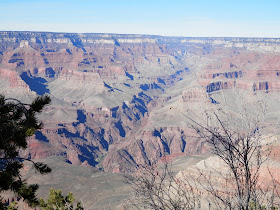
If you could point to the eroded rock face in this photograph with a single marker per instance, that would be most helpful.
(120, 100)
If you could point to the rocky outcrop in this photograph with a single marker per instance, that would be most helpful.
(120, 100)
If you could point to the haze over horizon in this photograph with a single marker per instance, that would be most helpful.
(201, 18)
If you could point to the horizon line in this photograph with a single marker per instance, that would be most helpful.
(111, 33)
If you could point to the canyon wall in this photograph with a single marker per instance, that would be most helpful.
(123, 100)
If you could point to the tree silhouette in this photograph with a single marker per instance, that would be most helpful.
(241, 154)
(17, 122)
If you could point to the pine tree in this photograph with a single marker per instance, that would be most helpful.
(17, 122)
(57, 201)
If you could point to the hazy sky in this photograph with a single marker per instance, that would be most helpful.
(245, 18)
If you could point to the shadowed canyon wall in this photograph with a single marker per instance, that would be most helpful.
(120, 100)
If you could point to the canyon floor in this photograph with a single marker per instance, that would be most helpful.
(96, 190)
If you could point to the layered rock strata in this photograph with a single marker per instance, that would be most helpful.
(119, 100)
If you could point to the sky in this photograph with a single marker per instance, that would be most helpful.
(189, 18)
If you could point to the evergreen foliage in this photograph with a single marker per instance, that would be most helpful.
(57, 201)
(17, 122)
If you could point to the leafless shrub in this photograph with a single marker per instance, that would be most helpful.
(159, 189)
(243, 154)
(236, 136)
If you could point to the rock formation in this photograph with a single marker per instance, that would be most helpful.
(121, 100)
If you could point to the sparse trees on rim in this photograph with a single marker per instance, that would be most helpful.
(17, 122)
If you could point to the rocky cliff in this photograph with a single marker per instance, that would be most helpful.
(120, 100)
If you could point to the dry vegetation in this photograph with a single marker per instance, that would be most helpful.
(235, 183)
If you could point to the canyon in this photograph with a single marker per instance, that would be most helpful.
(119, 101)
